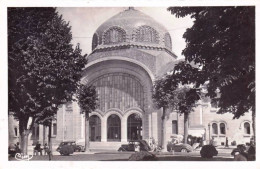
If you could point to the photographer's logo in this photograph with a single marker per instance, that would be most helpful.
(21, 157)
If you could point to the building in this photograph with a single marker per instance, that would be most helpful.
(129, 51)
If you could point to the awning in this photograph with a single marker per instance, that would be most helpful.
(196, 132)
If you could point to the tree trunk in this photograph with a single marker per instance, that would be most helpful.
(49, 137)
(163, 134)
(186, 126)
(253, 124)
(24, 142)
(86, 132)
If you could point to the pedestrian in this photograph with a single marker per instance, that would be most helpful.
(38, 149)
(226, 142)
(46, 149)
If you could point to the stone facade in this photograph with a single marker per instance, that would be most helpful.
(130, 51)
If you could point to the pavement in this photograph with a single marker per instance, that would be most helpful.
(224, 154)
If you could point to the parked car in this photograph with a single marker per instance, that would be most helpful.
(13, 149)
(69, 147)
(131, 146)
(179, 147)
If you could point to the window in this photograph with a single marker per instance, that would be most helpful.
(114, 35)
(95, 128)
(246, 128)
(167, 40)
(134, 127)
(54, 131)
(94, 41)
(147, 34)
(113, 128)
(15, 132)
(222, 127)
(174, 127)
(214, 128)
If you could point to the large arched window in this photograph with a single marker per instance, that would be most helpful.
(134, 127)
(113, 128)
(246, 128)
(167, 40)
(114, 35)
(214, 128)
(146, 34)
(222, 128)
(94, 41)
(95, 128)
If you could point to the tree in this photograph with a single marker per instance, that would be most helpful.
(222, 44)
(169, 93)
(43, 68)
(87, 100)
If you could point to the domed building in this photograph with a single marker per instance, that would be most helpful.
(129, 51)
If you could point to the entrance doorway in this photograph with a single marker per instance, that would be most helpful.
(134, 127)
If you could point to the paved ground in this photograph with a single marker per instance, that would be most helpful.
(105, 155)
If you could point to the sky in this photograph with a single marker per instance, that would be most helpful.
(84, 22)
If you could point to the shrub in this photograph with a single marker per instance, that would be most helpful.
(142, 156)
(208, 151)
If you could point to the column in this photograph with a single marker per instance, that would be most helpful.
(124, 129)
(103, 130)
(155, 126)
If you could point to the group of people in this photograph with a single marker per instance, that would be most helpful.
(38, 149)
(240, 153)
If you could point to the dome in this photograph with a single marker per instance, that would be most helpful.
(131, 28)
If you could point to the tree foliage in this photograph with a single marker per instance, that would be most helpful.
(222, 45)
(87, 98)
(43, 68)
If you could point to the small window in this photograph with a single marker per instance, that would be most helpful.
(15, 132)
(222, 128)
(214, 128)
(246, 128)
(54, 129)
(174, 127)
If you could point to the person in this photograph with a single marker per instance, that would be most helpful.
(37, 149)
(239, 153)
(226, 142)
(45, 148)
(17, 148)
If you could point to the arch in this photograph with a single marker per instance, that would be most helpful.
(222, 128)
(95, 128)
(94, 41)
(114, 35)
(146, 34)
(167, 40)
(247, 128)
(214, 127)
(143, 66)
(134, 127)
(113, 128)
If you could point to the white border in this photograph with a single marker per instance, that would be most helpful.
(4, 163)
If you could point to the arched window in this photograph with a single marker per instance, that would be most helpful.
(167, 40)
(146, 34)
(246, 128)
(214, 128)
(113, 128)
(94, 41)
(114, 35)
(134, 127)
(95, 128)
(222, 127)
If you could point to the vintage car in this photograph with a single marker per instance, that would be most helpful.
(12, 149)
(179, 147)
(69, 147)
(135, 145)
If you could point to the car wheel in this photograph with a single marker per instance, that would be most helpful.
(184, 150)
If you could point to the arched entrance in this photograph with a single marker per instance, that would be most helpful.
(134, 127)
(95, 128)
(113, 128)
